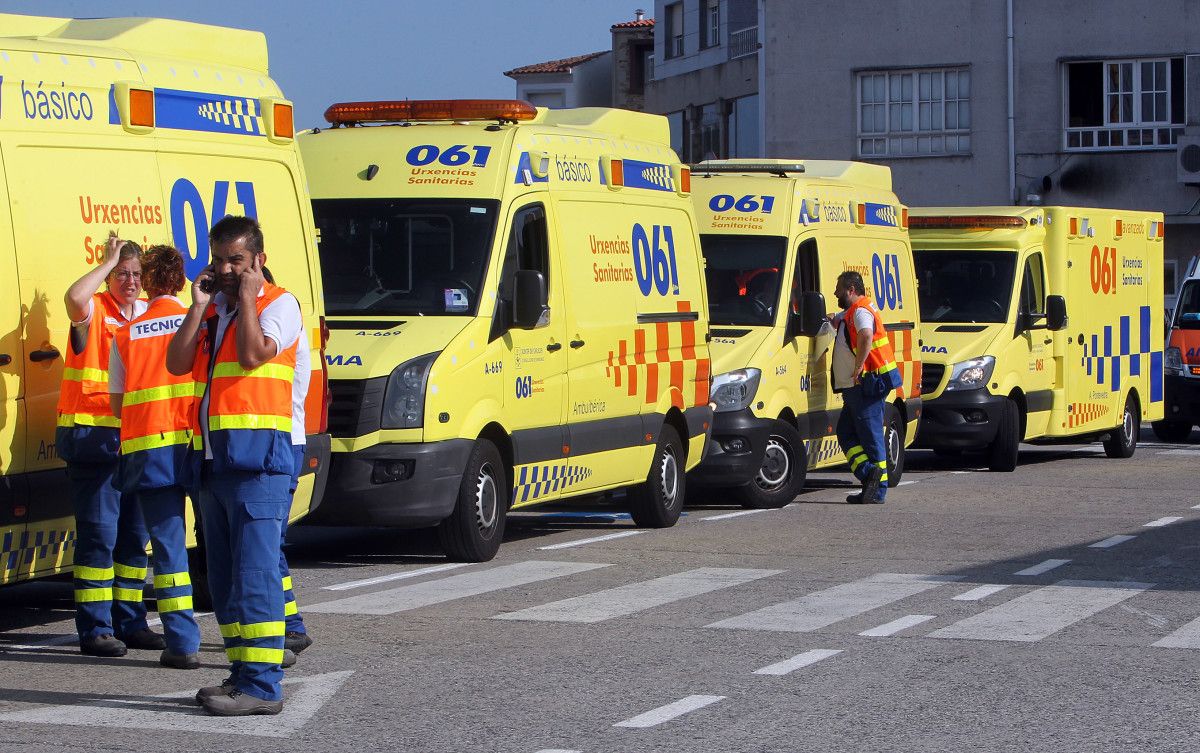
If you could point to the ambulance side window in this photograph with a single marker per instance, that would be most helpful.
(529, 249)
(1033, 286)
(806, 277)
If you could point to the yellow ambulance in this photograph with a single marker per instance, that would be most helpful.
(775, 236)
(517, 313)
(154, 129)
(1003, 362)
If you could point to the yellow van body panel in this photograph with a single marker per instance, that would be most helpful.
(73, 168)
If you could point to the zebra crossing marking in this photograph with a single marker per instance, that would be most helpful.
(896, 626)
(452, 588)
(1187, 636)
(1042, 567)
(799, 661)
(638, 597)
(1041, 613)
(981, 592)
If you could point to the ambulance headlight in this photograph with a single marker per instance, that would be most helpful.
(971, 375)
(1174, 361)
(404, 397)
(734, 390)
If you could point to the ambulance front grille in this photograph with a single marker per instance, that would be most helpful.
(931, 376)
(356, 406)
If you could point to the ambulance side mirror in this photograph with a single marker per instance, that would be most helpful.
(808, 320)
(1056, 313)
(529, 306)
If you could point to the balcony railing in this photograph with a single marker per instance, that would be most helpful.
(743, 42)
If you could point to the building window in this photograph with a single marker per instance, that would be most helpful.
(914, 113)
(677, 122)
(553, 100)
(710, 23)
(1170, 276)
(743, 127)
(673, 30)
(710, 132)
(1124, 104)
(641, 67)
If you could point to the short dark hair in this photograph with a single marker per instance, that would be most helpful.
(853, 281)
(233, 227)
(162, 270)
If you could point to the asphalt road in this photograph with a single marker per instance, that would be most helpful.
(1050, 609)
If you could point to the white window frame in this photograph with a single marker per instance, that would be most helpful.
(1135, 134)
(897, 141)
(711, 21)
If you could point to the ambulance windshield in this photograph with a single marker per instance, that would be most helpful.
(404, 257)
(1187, 310)
(743, 274)
(964, 286)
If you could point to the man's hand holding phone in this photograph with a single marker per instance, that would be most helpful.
(203, 286)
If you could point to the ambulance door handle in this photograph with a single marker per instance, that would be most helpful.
(577, 343)
(553, 347)
(1048, 341)
(5, 359)
(43, 355)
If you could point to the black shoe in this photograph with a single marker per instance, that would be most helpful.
(289, 659)
(102, 645)
(225, 688)
(238, 703)
(870, 487)
(855, 498)
(146, 639)
(179, 661)
(296, 641)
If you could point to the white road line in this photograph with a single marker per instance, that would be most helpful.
(1042, 567)
(906, 483)
(822, 608)
(1187, 636)
(1043, 612)
(1111, 541)
(1196, 507)
(557, 750)
(895, 626)
(593, 540)
(65, 640)
(728, 515)
(798, 661)
(982, 592)
(1178, 452)
(637, 597)
(394, 576)
(451, 588)
(670, 711)
(1163, 521)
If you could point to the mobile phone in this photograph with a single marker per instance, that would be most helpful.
(206, 285)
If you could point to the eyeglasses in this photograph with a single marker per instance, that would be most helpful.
(123, 275)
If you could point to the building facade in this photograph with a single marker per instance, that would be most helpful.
(633, 61)
(579, 81)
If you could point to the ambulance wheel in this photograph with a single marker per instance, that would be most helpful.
(657, 502)
(893, 444)
(781, 475)
(474, 530)
(1123, 440)
(1002, 455)
(1172, 431)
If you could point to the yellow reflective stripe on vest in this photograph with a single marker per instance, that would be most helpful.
(176, 604)
(154, 394)
(127, 594)
(197, 441)
(83, 572)
(890, 366)
(83, 595)
(126, 571)
(167, 580)
(86, 374)
(266, 371)
(881, 342)
(163, 439)
(86, 419)
(232, 630)
(258, 655)
(262, 630)
(287, 583)
(290, 608)
(250, 421)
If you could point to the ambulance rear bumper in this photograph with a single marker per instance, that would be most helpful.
(394, 485)
(959, 420)
(1182, 399)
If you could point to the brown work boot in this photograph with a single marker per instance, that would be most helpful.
(146, 639)
(179, 661)
(102, 645)
(238, 703)
(225, 688)
(295, 641)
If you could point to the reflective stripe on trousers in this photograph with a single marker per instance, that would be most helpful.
(860, 434)
(164, 513)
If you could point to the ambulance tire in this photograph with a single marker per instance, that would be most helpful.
(782, 474)
(1172, 431)
(893, 444)
(1004, 450)
(475, 529)
(657, 502)
(1122, 442)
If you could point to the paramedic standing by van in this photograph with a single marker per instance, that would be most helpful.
(241, 342)
(110, 549)
(865, 373)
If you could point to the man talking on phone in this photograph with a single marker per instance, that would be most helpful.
(240, 343)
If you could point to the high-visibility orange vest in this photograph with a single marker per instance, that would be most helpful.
(881, 359)
(84, 397)
(249, 411)
(157, 407)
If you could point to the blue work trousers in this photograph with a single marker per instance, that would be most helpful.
(860, 434)
(163, 510)
(110, 553)
(242, 513)
(291, 611)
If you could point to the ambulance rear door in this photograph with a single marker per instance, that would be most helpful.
(13, 483)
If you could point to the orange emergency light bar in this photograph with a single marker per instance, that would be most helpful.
(349, 113)
(966, 222)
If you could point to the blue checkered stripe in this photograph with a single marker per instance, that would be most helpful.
(1108, 362)
(538, 480)
(880, 214)
(181, 110)
(23, 548)
(651, 176)
(822, 450)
